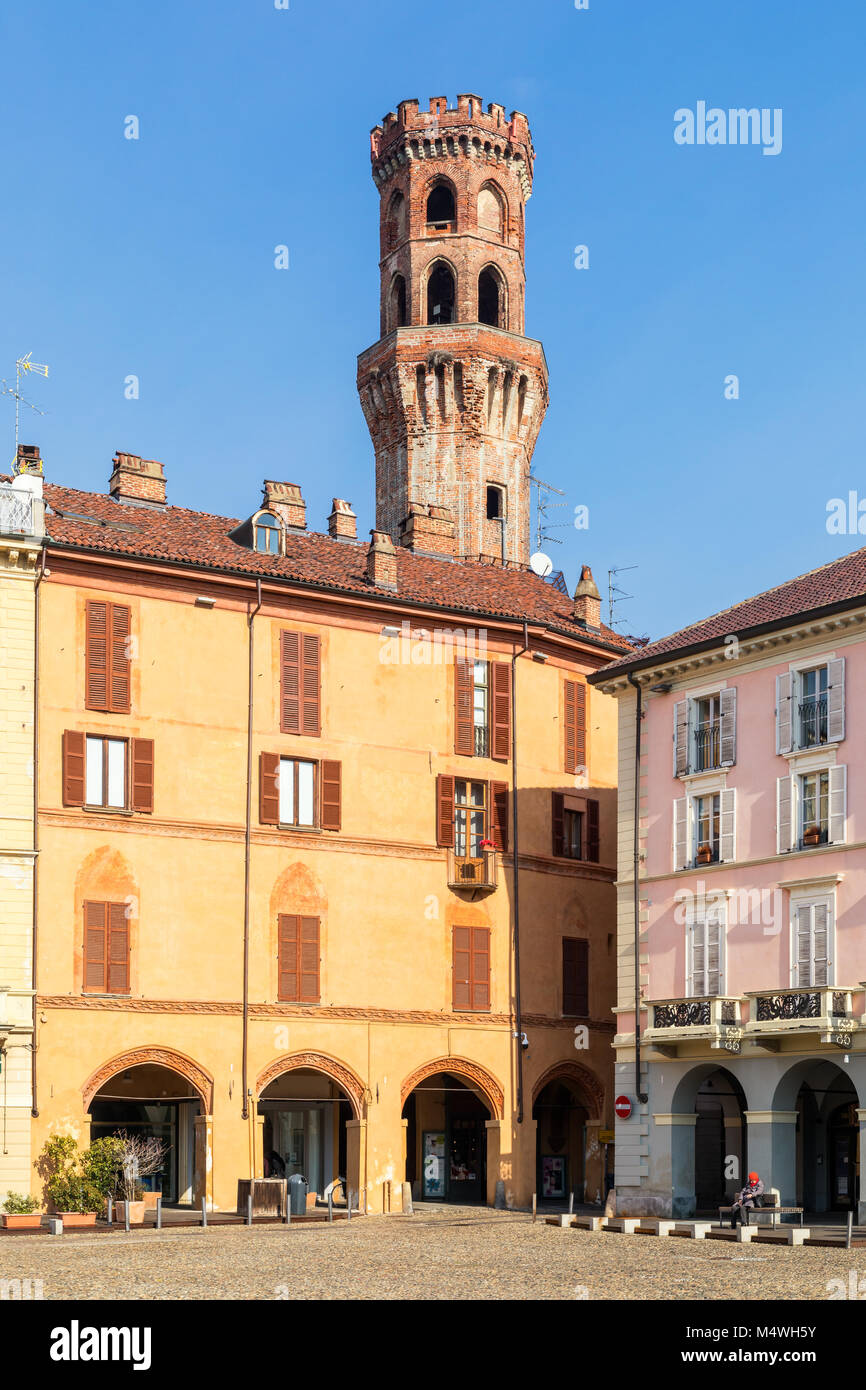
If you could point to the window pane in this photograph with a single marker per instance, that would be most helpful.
(476, 834)
(460, 833)
(93, 794)
(460, 792)
(116, 772)
(477, 794)
(287, 791)
(305, 794)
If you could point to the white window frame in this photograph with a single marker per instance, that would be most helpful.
(811, 899)
(289, 763)
(837, 804)
(836, 704)
(727, 716)
(686, 805)
(102, 739)
(699, 917)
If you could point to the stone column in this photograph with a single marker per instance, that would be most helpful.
(356, 1174)
(494, 1155)
(861, 1205)
(772, 1151)
(672, 1156)
(203, 1179)
(593, 1167)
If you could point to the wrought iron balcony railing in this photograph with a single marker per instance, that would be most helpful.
(824, 1009)
(472, 873)
(708, 1018)
(813, 721)
(707, 748)
(481, 741)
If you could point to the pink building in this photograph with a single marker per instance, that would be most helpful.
(749, 915)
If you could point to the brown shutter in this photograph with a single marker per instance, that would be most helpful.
(287, 961)
(141, 774)
(331, 795)
(580, 726)
(498, 794)
(464, 732)
(308, 960)
(480, 967)
(501, 695)
(575, 726)
(558, 801)
(592, 845)
(118, 948)
(119, 668)
(96, 655)
(445, 811)
(269, 788)
(461, 967)
(95, 915)
(290, 682)
(575, 976)
(310, 684)
(73, 768)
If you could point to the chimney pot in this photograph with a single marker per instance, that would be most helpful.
(286, 502)
(342, 523)
(587, 600)
(137, 481)
(382, 561)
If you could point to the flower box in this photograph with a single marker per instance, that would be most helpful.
(136, 1212)
(21, 1221)
(71, 1219)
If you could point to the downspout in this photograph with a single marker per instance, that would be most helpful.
(638, 715)
(34, 1107)
(247, 833)
(515, 874)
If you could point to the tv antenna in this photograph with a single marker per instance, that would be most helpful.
(23, 366)
(614, 593)
(542, 506)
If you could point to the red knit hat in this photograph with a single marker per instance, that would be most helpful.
(753, 1177)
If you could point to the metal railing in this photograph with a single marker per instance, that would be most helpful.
(813, 721)
(707, 747)
(16, 512)
(481, 741)
(472, 873)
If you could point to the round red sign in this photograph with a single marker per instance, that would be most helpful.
(622, 1106)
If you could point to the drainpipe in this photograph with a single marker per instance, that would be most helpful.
(34, 1110)
(515, 892)
(638, 715)
(246, 1027)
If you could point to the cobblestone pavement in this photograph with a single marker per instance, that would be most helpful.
(456, 1253)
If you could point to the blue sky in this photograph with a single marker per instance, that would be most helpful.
(155, 258)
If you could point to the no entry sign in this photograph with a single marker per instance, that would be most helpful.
(622, 1106)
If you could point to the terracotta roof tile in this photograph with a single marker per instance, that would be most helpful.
(92, 521)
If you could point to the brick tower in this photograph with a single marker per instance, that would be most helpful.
(453, 393)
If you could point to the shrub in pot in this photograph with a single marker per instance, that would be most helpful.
(70, 1182)
(21, 1212)
(139, 1157)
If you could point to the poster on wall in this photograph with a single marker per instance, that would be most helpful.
(553, 1175)
(434, 1163)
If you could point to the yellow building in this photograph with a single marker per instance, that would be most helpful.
(21, 526)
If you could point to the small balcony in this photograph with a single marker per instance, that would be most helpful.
(823, 1009)
(481, 741)
(707, 748)
(464, 872)
(812, 716)
(712, 1019)
(16, 512)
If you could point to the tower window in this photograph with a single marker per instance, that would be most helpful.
(490, 298)
(398, 303)
(495, 503)
(267, 534)
(491, 212)
(440, 204)
(440, 294)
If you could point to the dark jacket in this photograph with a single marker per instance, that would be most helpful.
(746, 1198)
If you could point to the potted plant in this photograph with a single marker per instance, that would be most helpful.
(705, 853)
(139, 1157)
(21, 1213)
(78, 1183)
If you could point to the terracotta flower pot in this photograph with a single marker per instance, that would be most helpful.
(21, 1221)
(71, 1219)
(704, 855)
(150, 1200)
(812, 835)
(136, 1212)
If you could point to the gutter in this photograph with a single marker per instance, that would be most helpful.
(247, 835)
(34, 1107)
(638, 715)
(515, 874)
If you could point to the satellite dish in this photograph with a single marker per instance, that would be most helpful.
(540, 564)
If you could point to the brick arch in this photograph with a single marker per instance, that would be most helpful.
(196, 1075)
(483, 1080)
(587, 1081)
(347, 1079)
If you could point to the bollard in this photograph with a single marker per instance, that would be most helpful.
(330, 1206)
(55, 1225)
(110, 1212)
(849, 1232)
(288, 1216)
(249, 1209)
(159, 1211)
(408, 1209)
(348, 1204)
(534, 1202)
(204, 1211)
(571, 1204)
(126, 1215)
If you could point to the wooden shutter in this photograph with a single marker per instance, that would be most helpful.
(445, 811)
(287, 957)
(74, 765)
(836, 699)
(784, 716)
(308, 960)
(95, 946)
(500, 672)
(728, 718)
(837, 779)
(727, 825)
(480, 968)
(298, 958)
(681, 829)
(269, 788)
(592, 836)
(118, 948)
(461, 967)
(498, 802)
(310, 685)
(464, 733)
(570, 726)
(300, 683)
(784, 816)
(141, 774)
(106, 658)
(331, 794)
(119, 669)
(575, 976)
(558, 820)
(681, 738)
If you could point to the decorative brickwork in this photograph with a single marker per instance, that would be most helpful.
(155, 1057)
(587, 1083)
(470, 1071)
(317, 1061)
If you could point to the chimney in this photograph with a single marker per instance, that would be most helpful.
(137, 481)
(28, 460)
(429, 530)
(382, 561)
(587, 600)
(342, 523)
(286, 502)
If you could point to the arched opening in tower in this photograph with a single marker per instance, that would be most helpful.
(440, 204)
(490, 298)
(398, 303)
(440, 294)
